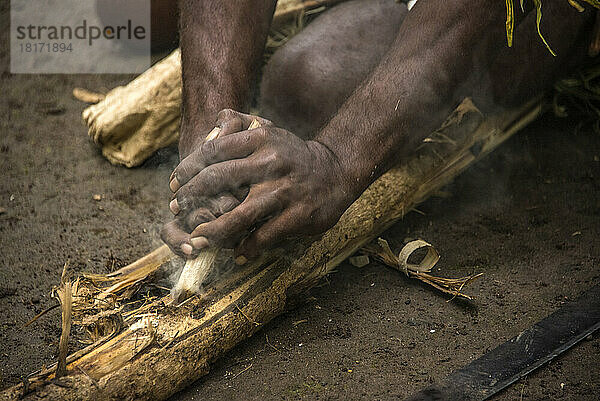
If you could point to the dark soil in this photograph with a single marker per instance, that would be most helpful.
(528, 216)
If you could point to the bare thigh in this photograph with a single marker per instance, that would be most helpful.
(308, 79)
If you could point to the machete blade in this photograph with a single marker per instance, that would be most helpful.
(520, 355)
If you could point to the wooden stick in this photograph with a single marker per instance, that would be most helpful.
(193, 275)
(196, 270)
(161, 354)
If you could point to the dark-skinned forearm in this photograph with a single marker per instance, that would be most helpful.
(222, 42)
(414, 88)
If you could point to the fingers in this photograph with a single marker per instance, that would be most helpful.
(240, 193)
(228, 122)
(231, 121)
(265, 237)
(234, 146)
(177, 239)
(217, 178)
(215, 207)
(197, 217)
(226, 229)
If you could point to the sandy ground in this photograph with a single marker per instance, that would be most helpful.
(527, 216)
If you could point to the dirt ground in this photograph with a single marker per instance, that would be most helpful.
(528, 217)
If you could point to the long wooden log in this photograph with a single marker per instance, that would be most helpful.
(135, 120)
(163, 352)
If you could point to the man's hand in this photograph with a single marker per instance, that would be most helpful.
(295, 187)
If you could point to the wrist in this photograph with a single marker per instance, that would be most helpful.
(363, 150)
(335, 166)
(196, 125)
(192, 134)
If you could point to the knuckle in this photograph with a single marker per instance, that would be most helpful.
(209, 150)
(182, 172)
(211, 174)
(183, 197)
(231, 126)
(260, 133)
(225, 114)
(236, 125)
(225, 204)
(198, 217)
(271, 163)
(194, 192)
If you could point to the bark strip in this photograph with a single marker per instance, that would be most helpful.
(64, 293)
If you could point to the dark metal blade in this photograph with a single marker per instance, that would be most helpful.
(521, 355)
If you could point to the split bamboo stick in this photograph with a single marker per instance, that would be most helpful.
(162, 352)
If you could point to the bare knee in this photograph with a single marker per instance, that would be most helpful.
(308, 79)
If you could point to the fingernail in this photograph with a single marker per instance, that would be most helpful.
(241, 260)
(174, 206)
(174, 184)
(198, 230)
(199, 242)
(187, 249)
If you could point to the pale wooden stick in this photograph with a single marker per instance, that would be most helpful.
(196, 270)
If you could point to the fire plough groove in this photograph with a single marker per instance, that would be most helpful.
(153, 350)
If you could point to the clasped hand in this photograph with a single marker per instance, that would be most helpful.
(249, 189)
